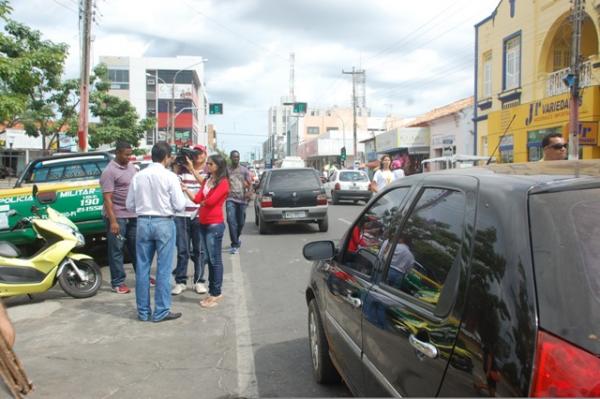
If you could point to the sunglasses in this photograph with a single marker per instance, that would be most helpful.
(558, 146)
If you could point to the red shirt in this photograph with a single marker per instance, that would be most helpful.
(211, 209)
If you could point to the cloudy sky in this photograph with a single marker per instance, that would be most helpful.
(417, 54)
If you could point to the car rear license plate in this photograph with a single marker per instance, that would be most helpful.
(294, 214)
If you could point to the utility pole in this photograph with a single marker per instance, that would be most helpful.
(82, 131)
(355, 139)
(577, 16)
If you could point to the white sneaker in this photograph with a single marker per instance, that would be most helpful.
(200, 288)
(178, 289)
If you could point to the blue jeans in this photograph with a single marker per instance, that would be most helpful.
(236, 217)
(154, 235)
(188, 232)
(127, 230)
(212, 242)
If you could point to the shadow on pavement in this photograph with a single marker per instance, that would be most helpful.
(273, 364)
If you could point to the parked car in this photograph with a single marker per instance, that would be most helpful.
(468, 282)
(67, 182)
(290, 196)
(348, 184)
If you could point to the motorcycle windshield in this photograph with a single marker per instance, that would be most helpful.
(58, 217)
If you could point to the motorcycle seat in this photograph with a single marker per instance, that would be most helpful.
(8, 250)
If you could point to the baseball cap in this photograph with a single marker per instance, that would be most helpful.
(199, 147)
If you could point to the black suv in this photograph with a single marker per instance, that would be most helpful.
(290, 195)
(470, 282)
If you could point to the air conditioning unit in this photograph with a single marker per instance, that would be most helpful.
(150, 82)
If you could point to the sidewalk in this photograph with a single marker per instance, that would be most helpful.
(7, 183)
(96, 348)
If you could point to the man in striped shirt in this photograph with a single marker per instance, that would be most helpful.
(188, 226)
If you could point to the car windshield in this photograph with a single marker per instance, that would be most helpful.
(565, 229)
(66, 169)
(353, 176)
(294, 180)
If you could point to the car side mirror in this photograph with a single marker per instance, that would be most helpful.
(319, 250)
(34, 191)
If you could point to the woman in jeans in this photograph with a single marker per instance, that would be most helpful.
(211, 197)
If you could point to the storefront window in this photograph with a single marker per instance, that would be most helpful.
(535, 152)
(507, 149)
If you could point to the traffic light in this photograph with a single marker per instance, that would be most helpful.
(299, 108)
(215, 109)
(343, 154)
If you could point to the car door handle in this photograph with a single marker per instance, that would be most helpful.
(354, 302)
(423, 347)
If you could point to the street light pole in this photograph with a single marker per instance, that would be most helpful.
(173, 96)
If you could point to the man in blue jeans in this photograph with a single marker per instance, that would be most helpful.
(155, 195)
(240, 189)
(120, 222)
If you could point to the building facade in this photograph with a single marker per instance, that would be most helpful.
(153, 85)
(450, 127)
(523, 53)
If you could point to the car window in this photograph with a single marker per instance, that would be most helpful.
(565, 229)
(353, 176)
(378, 223)
(428, 245)
(297, 180)
(65, 171)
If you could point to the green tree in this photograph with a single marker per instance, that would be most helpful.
(117, 118)
(30, 69)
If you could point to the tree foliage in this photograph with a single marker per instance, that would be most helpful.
(117, 118)
(30, 68)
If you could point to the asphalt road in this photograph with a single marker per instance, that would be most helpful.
(254, 344)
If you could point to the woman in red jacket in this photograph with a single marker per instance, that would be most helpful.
(211, 197)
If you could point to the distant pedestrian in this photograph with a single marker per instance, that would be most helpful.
(155, 195)
(187, 223)
(554, 147)
(240, 182)
(397, 169)
(120, 222)
(384, 175)
(211, 197)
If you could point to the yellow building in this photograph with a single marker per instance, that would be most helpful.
(523, 53)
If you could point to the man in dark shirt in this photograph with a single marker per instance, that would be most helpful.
(240, 184)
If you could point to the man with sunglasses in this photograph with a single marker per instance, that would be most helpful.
(554, 147)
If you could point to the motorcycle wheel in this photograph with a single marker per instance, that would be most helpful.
(72, 285)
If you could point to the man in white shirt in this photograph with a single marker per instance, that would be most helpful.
(155, 195)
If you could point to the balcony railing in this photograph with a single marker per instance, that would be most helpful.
(556, 86)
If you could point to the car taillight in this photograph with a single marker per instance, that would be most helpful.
(562, 369)
(266, 202)
(322, 199)
(337, 186)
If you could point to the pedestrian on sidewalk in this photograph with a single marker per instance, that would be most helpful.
(120, 222)
(187, 224)
(384, 175)
(211, 197)
(554, 147)
(240, 191)
(155, 196)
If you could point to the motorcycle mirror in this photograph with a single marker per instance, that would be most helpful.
(35, 190)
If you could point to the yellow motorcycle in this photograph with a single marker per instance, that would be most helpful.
(77, 274)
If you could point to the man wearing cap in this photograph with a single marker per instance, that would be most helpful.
(188, 225)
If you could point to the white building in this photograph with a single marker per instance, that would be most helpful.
(151, 84)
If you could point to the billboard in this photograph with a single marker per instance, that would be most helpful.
(182, 91)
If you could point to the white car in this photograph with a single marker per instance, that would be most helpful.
(348, 184)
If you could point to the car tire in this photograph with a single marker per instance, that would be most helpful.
(263, 227)
(324, 225)
(334, 199)
(323, 369)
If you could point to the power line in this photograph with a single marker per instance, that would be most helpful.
(66, 7)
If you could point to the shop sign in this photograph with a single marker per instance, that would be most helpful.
(588, 133)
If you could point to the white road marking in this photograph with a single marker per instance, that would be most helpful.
(345, 221)
(247, 381)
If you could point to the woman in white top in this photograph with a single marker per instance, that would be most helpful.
(384, 175)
